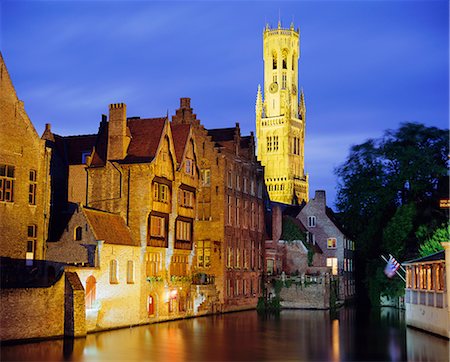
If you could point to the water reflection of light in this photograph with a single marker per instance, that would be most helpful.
(336, 356)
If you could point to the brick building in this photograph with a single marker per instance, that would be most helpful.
(230, 227)
(24, 178)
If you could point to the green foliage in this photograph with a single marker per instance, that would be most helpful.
(290, 231)
(433, 244)
(387, 188)
(398, 229)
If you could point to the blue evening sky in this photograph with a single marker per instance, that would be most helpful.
(365, 66)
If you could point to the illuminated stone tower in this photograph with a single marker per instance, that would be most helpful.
(280, 118)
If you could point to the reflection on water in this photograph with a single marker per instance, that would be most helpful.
(348, 335)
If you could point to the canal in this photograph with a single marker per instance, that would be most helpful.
(296, 335)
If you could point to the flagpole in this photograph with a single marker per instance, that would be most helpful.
(382, 256)
(398, 263)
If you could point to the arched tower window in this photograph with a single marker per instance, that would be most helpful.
(90, 291)
(113, 272)
(285, 53)
(78, 234)
(274, 60)
(293, 61)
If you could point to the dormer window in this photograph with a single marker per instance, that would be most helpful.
(189, 167)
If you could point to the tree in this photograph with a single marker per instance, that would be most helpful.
(387, 188)
(433, 244)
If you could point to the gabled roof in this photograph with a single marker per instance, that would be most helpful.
(440, 255)
(110, 228)
(180, 135)
(334, 220)
(145, 138)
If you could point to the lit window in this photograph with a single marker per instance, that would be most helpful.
(157, 226)
(238, 183)
(312, 221)
(229, 180)
(32, 188)
(183, 230)
(7, 183)
(229, 210)
(333, 264)
(113, 272)
(31, 242)
(229, 257)
(153, 264)
(331, 243)
(179, 265)
(206, 177)
(130, 272)
(204, 254)
(238, 212)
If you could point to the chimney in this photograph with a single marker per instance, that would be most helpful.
(117, 131)
(277, 224)
(320, 198)
(185, 103)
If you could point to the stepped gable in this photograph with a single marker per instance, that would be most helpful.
(180, 136)
(145, 138)
(109, 227)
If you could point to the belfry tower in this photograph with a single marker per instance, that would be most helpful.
(280, 118)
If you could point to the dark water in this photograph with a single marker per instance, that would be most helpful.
(348, 335)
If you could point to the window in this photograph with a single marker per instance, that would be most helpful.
(186, 198)
(269, 143)
(274, 60)
(205, 177)
(245, 258)
(283, 80)
(78, 234)
(252, 187)
(161, 192)
(238, 211)
(90, 292)
(275, 143)
(229, 180)
(333, 264)
(245, 185)
(204, 254)
(157, 227)
(6, 183)
(189, 167)
(296, 146)
(312, 221)
(331, 243)
(130, 272)
(228, 287)
(113, 272)
(253, 212)
(229, 257)
(179, 265)
(252, 256)
(32, 188)
(237, 259)
(153, 263)
(284, 60)
(245, 215)
(84, 156)
(293, 61)
(183, 230)
(229, 210)
(31, 242)
(238, 183)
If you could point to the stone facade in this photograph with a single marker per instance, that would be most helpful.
(24, 178)
(281, 118)
(337, 249)
(230, 225)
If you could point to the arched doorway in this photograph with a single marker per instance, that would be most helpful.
(151, 305)
(90, 291)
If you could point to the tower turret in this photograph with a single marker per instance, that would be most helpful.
(280, 116)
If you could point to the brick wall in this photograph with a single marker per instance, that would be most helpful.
(32, 312)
